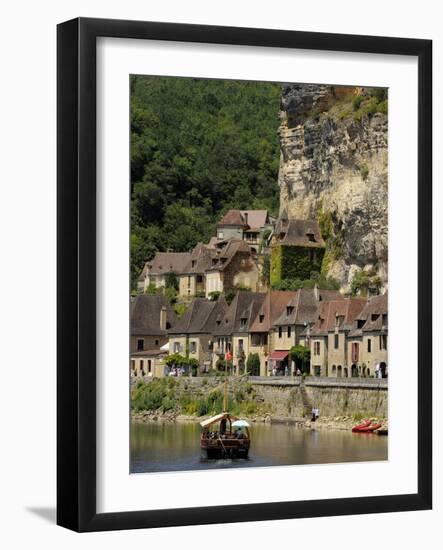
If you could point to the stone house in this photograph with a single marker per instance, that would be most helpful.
(232, 334)
(247, 225)
(148, 363)
(151, 317)
(192, 280)
(290, 328)
(297, 249)
(154, 271)
(328, 336)
(192, 335)
(233, 266)
(260, 331)
(367, 341)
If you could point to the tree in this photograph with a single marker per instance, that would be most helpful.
(198, 147)
(253, 364)
(301, 355)
(171, 280)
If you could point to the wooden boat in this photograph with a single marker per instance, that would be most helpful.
(218, 439)
(359, 427)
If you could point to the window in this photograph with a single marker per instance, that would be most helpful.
(316, 348)
(383, 341)
(360, 323)
(220, 234)
(374, 316)
(289, 332)
(176, 347)
(140, 344)
(142, 372)
(289, 310)
(132, 365)
(261, 318)
(240, 345)
(199, 278)
(149, 365)
(192, 347)
(243, 322)
(279, 332)
(193, 263)
(156, 342)
(336, 341)
(355, 351)
(189, 281)
(369, 345)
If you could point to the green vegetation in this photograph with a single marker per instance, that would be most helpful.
(364, 281)
(301, 355)
(253, 364)
(162, 395)
(198, 148)
(364, 172)
(372, 102)
(294, 263)
(325, 283)
(214, 295)
(367, 103)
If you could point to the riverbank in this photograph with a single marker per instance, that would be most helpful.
(328, 423)
(342, 402)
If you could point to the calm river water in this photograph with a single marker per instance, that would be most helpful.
(157, 447)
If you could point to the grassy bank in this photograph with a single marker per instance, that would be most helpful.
(170, 395)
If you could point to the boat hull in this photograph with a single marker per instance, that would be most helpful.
(225, 448)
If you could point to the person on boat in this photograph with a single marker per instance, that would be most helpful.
(223, 426)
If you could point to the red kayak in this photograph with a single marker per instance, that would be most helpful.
(370, 428)
(361, 426)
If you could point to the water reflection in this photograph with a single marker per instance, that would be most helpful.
(159, 447)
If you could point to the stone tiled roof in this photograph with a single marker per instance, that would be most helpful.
(304, 306)
(244, 218)
(373, 317)
(298, 233)
(241, 313)
(273, 305)
(200, 260)
(337, 313)
(166, 262)
(145, 315)
(201, 317)
(227, 254)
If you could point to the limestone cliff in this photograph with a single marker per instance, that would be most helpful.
(334, 168)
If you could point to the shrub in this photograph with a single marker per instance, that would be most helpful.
(214, 295)
(356, 102)
(364, 172)
(152, 289)
(253, 364)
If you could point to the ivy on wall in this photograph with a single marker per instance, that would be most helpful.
(294, 262)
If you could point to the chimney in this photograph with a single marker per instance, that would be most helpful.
(163, 318)
(316, 293)
(246, 217)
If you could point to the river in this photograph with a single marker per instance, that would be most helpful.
(162, 447)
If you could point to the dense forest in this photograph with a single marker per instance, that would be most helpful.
(198, 148)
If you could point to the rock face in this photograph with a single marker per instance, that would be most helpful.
(334, 167)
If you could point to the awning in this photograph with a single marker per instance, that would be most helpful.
(216, 418)
(278, 355)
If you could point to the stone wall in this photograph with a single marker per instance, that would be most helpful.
(288, 398)
(333, 397)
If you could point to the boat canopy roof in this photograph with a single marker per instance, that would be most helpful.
(216, 418)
